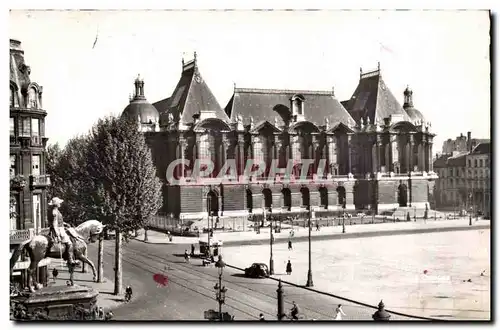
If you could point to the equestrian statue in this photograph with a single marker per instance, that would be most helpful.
(63, 242)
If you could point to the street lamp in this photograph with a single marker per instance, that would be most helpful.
(271, 261)
(220, 291)
(309, 272)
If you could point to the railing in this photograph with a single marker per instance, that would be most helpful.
(20, 235)
(40, 180)
(36, 140)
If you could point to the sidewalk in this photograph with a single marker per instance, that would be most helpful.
(331, 232)
(105, 299)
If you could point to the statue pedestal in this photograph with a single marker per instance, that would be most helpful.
(63, 302)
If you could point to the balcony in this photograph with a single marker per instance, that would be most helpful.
(20, 235)
(39, 181)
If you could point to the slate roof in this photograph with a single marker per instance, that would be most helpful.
(268, 104)
(191, 95)
(440, 162)
(140, 108)
(458, 160)
(482, 149)
(374, 99)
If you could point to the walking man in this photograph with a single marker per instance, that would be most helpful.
(339, 312)
(289, 268)
(290, 245)
(192, 250)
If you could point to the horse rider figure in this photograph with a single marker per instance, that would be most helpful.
(58, 230)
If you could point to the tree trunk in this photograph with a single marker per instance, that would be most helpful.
(145, 235)
(100, 261)
(118, 263)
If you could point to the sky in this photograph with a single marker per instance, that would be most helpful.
(442, 55)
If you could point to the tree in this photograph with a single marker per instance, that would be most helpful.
(70, 180)
(53, 157)
(127, 190)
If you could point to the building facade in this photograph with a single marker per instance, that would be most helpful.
(377, 154)
(28, 181)
(461, 144)
(464, 180)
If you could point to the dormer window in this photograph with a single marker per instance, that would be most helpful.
(32, 99)
(298, 105)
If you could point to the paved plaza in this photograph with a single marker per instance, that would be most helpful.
(425, 274)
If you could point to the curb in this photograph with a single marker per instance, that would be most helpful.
(342, 236)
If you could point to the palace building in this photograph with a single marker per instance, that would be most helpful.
(28, 181)
(377, 153)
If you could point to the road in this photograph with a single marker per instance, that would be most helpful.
(190, 290)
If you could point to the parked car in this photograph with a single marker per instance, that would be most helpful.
(257, 270)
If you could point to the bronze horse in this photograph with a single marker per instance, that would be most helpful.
(43, 246)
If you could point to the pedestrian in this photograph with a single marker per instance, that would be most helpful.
(290, 245)
(108, 316)
(339, 312)
(261, 317)
(186, 256)
(192, 250)
(101, 313)
(317, 226)
(289, 268)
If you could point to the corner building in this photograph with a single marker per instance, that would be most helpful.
(378, 154)
(27, 162)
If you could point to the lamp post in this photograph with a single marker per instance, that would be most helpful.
(220, 291)
(309, 272)
(271, 261)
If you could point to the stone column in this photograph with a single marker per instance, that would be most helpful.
(431, 166)
(394, 151)
(241, 154)
(349, 158)
(278, 144)
(375, 155)
(295, 145)
(412, 144)
(332, 153)
(226, 144)
(387, 152)
(316, 143)
(183, 143)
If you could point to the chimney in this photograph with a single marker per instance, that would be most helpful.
(469, 141)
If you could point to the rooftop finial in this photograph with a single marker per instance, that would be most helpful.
(195, 55)
(333, 90)
(182, 59)
(378, 65)
(234, 85)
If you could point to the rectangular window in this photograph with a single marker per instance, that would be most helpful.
(475, 162)
(12, 165)
(470, 163)
(35, 127)
(13, 213)
(12, 127)
(25, 127)
(35, 165)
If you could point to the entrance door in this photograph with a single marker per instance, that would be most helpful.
(37, 216)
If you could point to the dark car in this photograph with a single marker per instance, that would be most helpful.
(257, 270)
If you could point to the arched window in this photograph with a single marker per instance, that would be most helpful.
(297, 106)
(32, 99)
